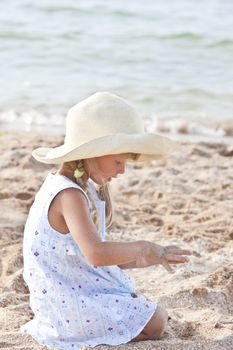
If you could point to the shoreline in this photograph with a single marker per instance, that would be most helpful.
(190, 128)
(183, 137)
(185, 199)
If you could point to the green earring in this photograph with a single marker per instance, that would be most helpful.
(78, 173)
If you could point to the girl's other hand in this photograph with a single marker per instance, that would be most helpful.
(154, 254)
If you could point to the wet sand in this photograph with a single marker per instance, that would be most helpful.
(185, 200)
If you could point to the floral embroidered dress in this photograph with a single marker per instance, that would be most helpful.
(75, 303)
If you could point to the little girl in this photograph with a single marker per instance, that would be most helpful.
(78, 292)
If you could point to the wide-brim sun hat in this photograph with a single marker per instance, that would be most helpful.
(105, 124)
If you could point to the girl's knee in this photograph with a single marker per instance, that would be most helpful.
(157, 324)
(162, 318)
(155, 327)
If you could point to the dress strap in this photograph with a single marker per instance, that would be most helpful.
(57, 183)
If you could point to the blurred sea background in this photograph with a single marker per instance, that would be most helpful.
(172, 59)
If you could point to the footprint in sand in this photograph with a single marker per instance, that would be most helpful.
(14, 263)
(23, 195)
(16, 283)
(201, 153)
(221, 277)
(226, 152)
(5, 195)
(205, 217)
(11, 262)
(155, 220)
(182, 330)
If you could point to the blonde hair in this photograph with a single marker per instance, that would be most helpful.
(103, 192)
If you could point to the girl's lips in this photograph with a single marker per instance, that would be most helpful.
(110, 178)
(113, 177)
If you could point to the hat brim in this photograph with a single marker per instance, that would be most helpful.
(149, 146)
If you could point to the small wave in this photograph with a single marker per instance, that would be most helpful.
(179, 126)
(59, 9)
(183, 36)
(19, 37)
(127, 14)
(32, 120)
(221, 44)
(195, 92)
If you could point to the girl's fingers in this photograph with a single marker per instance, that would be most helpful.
(177, 262)
(176, 259)
(178, 251)
(172, 247)
(167, 266)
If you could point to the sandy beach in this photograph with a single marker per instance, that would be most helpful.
(185, 200)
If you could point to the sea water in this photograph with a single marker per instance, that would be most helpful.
(172, 59)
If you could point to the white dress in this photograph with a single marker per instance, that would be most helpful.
(75, 303)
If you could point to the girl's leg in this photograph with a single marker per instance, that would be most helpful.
(155, 327)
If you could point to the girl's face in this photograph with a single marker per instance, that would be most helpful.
(102, 169)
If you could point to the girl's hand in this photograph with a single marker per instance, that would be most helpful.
(154, 254)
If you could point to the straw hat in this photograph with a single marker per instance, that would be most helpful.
(105, 124)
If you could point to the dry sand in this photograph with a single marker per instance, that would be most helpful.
(187, 200)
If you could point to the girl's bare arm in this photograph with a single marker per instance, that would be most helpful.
(130, 265)
(74, 208)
